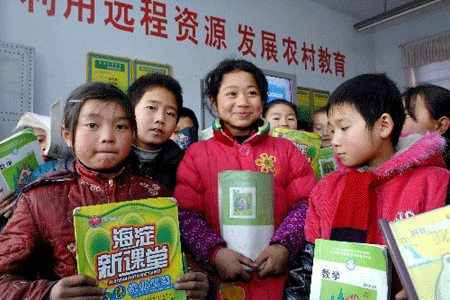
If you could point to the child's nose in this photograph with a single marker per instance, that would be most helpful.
(160, 116)
(107, 135)
(242, 99)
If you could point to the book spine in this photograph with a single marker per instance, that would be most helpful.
(397, 259)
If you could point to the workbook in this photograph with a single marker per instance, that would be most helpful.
(131, 248)
(420, 250)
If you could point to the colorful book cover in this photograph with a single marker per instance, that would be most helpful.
(423, 242)
(20, 155)
(307, 142)
(344, 270)
(246, 210)
(326, 162)
(132, 248)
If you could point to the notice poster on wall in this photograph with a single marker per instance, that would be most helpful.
(319, 99)
(111, 69)
(304, 104)
(144, 67)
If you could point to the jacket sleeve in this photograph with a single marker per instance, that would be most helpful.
(291, 232)
(18, 243)
(197, 235)
(200, 239)
(312, 222)
(302, 178)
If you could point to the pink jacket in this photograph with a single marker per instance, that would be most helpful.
(417, 182)
(197, 188)
(37, 245)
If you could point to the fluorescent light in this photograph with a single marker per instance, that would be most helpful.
(393, 13)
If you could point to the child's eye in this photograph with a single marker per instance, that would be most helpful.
(91, 125)
(172, 114)
(292, 119)
(151, 107)
(122, 126)
(230, 94)
(345, 128)
(253, 93)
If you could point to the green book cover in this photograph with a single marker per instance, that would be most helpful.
(344, 270)
(326, 162)
(132, 248)
(20, 155)
(246, 210)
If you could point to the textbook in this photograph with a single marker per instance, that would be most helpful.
(326, 162)
(420, 249)
(307, 142)
(20, 155)
(132, 248)
(246, 211)
(345, 270)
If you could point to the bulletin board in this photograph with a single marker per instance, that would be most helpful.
(16, 85)
(310, 100)
(144, 67)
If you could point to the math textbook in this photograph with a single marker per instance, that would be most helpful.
(420, 250)
(20, 155)
(345, 270)
(132, 248)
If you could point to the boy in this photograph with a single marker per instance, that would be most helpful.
(156, 99)
(380, 176)
(319, 125)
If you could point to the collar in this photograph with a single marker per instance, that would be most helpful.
(259, 134)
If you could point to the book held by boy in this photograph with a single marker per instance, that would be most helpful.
(132, 248)
(420, 249)
(20, 155)
(326, 162)
(345, 270)
(246, 211)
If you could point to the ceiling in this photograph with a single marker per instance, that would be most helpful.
(362, 10)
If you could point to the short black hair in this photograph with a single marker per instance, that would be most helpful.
(437, 101)
(94, 90)
(151, 80)
(186, 112)
(214, 78)
(372, 95)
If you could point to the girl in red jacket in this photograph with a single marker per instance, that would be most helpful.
(237, 90)
(37, 246)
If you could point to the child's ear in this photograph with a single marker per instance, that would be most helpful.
(67, 136)
(213, 103)
(386, 125)
(443, 123)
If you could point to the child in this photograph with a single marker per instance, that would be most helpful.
(237, 90)
(37, 246)
(428, 109)
(156, 99)
(282, 114)
(319, 124)
(380, 176)
(186, 131)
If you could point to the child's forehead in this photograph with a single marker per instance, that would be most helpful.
(343, 111)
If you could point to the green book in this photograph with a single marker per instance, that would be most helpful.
(344, 270)
(20, 155)
(131, 248)
(326, 162)
(246, 210)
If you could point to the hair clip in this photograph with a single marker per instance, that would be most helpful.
(75, 100)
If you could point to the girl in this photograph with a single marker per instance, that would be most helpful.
(428, 109)
(37, 252)
(237, 90)
(319, 124)
(282, 114)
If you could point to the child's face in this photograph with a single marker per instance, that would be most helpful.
(282, 116)
(103, 135)
(423, 121)
(42, 139)
(238, 102)
(354, 143)
(183, 123)
(320, 127)
(156, 118)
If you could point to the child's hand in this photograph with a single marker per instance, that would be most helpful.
(276, 257)
(228, 264)
(195, 283)
(77, 287)
(401, 295)
(7, 203)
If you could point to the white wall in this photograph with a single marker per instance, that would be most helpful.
(389, 37)
(62, 44)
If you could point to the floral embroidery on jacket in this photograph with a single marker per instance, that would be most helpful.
(266, 162)
(152, 189)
